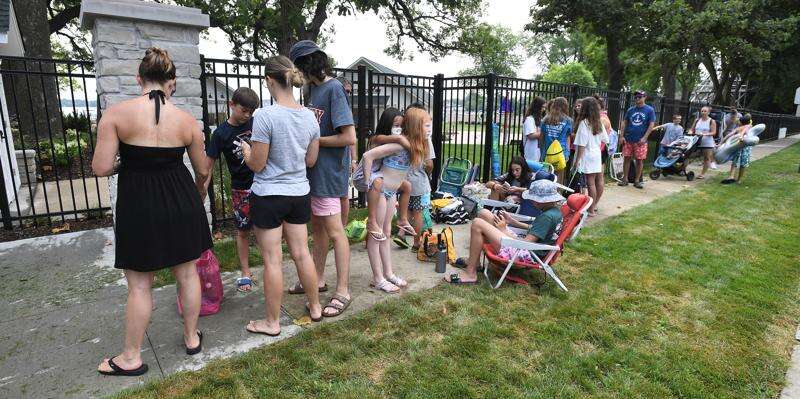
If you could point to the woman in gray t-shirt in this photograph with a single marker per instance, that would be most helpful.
(285, 142)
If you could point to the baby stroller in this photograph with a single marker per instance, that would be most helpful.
(676, 159)
(455, 173)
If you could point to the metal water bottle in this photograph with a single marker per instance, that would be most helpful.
(441, 256)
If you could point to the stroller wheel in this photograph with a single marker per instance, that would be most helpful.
(689, 176)
(655, 174)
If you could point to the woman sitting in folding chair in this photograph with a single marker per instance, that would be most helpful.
(544, 195)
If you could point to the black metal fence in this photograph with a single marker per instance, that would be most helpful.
(47, 141)
(52, 109)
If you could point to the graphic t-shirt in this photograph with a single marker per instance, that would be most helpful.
(329, 178)
(560, 132)
(672, 132)
(227, 140)
(637, 119)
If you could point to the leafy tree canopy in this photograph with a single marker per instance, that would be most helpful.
(494, 49)
(570, 73)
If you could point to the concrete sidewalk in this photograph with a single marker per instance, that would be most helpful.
(62, 305)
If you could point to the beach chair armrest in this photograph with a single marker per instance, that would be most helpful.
(529, 246)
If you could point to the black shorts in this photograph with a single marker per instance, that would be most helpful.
(269, 212)
(604, 157)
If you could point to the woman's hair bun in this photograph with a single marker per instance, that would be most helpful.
(156, 66)
(296, 77)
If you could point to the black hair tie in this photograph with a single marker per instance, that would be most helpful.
(157, 95)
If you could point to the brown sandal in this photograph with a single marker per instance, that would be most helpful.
(339, 308)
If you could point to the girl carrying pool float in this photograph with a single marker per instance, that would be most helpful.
(737, 146)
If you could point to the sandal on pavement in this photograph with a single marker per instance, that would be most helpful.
(311, 317)
(254, 331)
(197, 349)
(385, 286)
(297, 288)
(340, 306)
(242, 282)
(455, 279)
(460, 263)
(396, 280)
(119, 371)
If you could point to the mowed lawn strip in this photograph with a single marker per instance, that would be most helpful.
(694, 295)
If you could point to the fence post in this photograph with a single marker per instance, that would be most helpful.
(574, 95)
(207, 133)
(364, 118)
(5, 209)
(491, 81)
(438, 125)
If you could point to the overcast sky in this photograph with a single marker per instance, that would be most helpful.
(365, 35)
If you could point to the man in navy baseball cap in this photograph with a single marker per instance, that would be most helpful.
(302, 49)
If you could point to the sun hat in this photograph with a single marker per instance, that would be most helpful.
(543, 191)
(302, 49)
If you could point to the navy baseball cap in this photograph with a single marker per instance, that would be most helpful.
(302, 49)
(640, 93)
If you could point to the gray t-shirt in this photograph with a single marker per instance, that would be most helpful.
(288, 132)
(330, 176)
(420, 183)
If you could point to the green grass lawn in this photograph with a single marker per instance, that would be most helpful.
(694, 295)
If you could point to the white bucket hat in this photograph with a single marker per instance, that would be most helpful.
(543, 191)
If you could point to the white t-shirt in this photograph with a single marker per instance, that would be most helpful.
(592, 161)
(530, 146)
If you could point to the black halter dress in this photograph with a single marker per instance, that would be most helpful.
(160, 220)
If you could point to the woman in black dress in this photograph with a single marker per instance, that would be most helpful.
(160, 218)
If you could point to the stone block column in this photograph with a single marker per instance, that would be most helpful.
(122, 30)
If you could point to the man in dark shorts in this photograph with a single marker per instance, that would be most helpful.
(226, 140)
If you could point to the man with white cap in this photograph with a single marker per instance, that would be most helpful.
(544, 196)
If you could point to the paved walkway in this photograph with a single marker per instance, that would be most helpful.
(62, 304)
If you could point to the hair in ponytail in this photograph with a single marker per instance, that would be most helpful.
(156, 66)
(283, 71)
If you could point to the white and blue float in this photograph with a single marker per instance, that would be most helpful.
(726, 150)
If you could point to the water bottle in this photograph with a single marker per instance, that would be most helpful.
(441, 256)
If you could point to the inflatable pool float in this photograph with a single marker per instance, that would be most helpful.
(727, 149)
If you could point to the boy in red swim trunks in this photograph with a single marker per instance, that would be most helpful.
(226, 140)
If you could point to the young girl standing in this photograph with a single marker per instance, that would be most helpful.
(557, 126)
(589, 138)
(396, 161)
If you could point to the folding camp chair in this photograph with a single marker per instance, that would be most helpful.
(574, 212)
(455, 173)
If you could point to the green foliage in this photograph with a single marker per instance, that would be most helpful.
(493, 49)
(63, 151)
(78, 122)
(570, 73)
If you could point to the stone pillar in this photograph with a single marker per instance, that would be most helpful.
(122, 30)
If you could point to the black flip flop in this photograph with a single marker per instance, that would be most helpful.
(119, 371)
(455, 279)
(728, 181)
(301, 290)
(197, 349)
(260, 332)
(313, 319)
(460, 263)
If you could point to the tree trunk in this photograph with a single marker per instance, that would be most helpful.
(616, 71)
(668, 80)
(33, 98)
